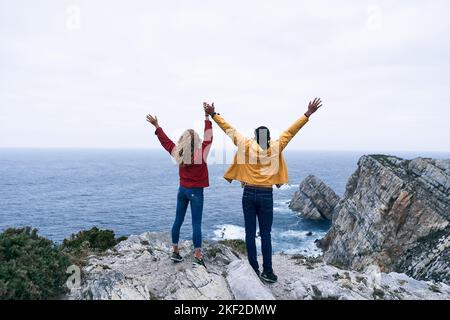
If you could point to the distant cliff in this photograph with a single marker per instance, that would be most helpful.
(395, 214)
(315, 200)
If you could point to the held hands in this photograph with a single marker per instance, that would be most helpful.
(153, 121)
(209, 108)
(313, 106)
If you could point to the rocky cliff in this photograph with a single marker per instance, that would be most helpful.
(140, 269)
(315, 200)
(395, 214)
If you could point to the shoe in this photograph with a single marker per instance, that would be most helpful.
(258, 273)
(199, 261)
(176, 257)
(269, 277)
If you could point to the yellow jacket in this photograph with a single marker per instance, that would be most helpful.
(254, 165)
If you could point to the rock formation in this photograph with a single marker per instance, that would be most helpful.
(395, 214)
(315, 200)
(140, 269)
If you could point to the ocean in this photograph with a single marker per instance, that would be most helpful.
(61, 192)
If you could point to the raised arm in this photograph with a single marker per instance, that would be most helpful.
(287, 135)
(237, 138)
(162, 137)
(207, 136)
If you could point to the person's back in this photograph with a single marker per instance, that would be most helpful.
(190, 153)
(258, 165)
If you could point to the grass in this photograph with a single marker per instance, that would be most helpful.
(235, 244)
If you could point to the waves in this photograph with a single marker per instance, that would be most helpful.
(287, 241)
(289, 186)
(229, 232)
(282, 207)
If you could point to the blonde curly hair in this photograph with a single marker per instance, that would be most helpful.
(184, 151)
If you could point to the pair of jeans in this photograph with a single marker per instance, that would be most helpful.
(194, 196)
(257, 204)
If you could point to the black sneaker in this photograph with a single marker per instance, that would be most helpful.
(199, 261)
(176, 257)
(269, 277)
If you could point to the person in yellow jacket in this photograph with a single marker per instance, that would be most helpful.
(259, 165)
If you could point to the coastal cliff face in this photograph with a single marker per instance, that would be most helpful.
(139, 268)
(395, 214)
(315, 200)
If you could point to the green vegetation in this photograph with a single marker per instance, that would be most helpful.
(236, 244)
(33, 267)
(93, 239)
(213, 252)
(434, 288)
(87, 242)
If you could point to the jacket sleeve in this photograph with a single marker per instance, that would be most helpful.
(237, 138)
(164, 140)
(287, 135)
(207, 138)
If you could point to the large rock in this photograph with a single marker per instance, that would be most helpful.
(306, 278)
(315, 200)
(395, 214)
(245, 284)
(140, 269)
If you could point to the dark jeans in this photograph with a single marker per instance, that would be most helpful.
(258, 204)
(195, 197)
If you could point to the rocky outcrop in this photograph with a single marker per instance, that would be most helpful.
(245, 284)
(395, 214)
(306, 278)
(429, 258)
(315, 200)
(140, 269)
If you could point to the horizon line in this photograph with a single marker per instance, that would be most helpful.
(367, 151)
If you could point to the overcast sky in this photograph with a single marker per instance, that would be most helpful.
(381, 67)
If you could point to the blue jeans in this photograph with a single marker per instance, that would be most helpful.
(195, 197)
(258, 204)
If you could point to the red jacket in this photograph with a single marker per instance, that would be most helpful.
(192, 175)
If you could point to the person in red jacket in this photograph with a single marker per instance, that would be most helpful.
(190, 153)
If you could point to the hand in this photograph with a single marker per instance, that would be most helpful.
(209, 108)
(313, 106)
(204, 106)
(153, 121)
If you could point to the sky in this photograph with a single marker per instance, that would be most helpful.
(83, 74)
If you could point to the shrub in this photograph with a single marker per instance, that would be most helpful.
(93, 239)
(86, 242)
(236, 244)
(121, 238)
(31, 267)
